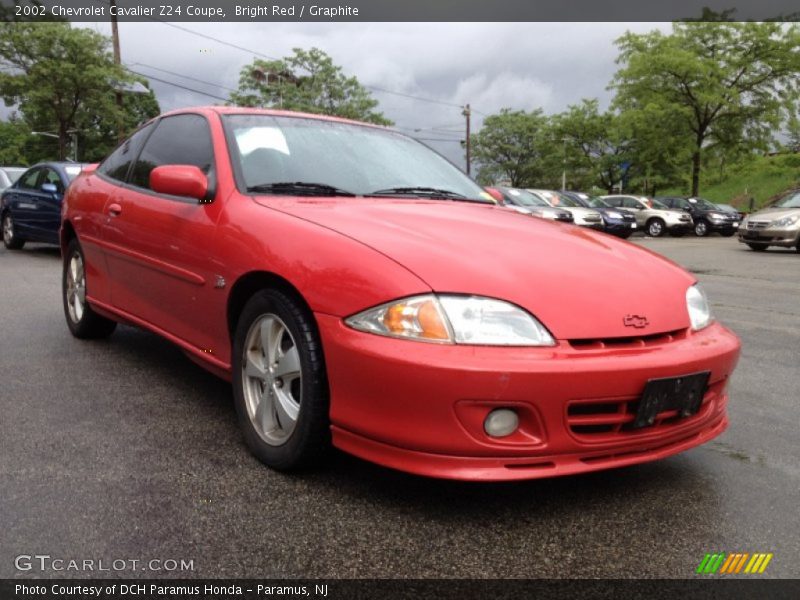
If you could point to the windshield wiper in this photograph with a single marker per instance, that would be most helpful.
(426, 192)
(299, 188)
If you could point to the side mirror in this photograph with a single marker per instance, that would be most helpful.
(49, 188)
(179, 180)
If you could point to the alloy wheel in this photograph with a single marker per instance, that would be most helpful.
(272, 379)
(655, 229)
(76, 288)
(700, 228)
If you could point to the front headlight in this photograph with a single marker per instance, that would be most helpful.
(697, 305)
(716, 216)
(452, 319)
(785, 221)
(614, 215)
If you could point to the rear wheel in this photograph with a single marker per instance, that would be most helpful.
(279, 383)
(701, 228)
(655, 228)
(10, 238)
(758, 247)
(82, 321)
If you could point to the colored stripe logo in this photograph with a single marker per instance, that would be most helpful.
(735, 563)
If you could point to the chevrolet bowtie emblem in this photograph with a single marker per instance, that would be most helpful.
(637, 321)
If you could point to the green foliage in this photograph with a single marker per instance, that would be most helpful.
(721, 84)
(307, 81)
(510, 147)
(14, 136)
(61, 79)
(760, 177)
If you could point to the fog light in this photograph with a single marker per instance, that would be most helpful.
(501, 422)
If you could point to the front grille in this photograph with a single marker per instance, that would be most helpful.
(566, 218)
(635, 341)
(683, 218)
(629, 218)
(757, 224)
(612, 418)
(593, 218)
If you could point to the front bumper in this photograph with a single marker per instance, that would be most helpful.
(420, 407)
(722, 225)
(787, 238)
(619, 225)
(674, 225)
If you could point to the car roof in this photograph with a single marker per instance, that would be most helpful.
(245, 110)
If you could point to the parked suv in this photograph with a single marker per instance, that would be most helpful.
(585, 217)
(655, 218)
(707, 216)
(525, 202)
(616, 221)
(777, 225)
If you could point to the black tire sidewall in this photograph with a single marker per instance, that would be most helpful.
(311, 436)
(91, 325)
(705, 231)
(16, 241)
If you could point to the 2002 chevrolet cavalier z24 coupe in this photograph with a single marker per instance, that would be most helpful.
(359, 290)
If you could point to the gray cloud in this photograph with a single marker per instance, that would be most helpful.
(489, 65)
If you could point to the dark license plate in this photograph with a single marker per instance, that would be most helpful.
(684, 394)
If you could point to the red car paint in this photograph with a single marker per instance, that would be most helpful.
(411, 405)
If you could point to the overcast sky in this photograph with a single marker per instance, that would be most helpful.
(489, 65)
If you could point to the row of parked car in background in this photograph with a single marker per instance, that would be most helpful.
(623, 214)
(30, 210)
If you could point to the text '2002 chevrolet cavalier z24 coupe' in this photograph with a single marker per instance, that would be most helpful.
(359, 290)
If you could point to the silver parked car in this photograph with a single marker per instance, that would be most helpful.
(585, 217)
(8, 175)
(653, 216)
(777, 225)
(524, 202)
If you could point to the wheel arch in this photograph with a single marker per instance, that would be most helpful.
(66, 235)
(250, 283)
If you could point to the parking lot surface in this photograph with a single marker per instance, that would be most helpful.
(124, 449)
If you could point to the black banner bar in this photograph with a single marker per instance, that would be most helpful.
(389, 589)
(395, 10)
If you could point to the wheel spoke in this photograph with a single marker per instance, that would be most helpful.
(286, 410)
(271, 335)
(253, 368)
(263, 418)
(288, 366)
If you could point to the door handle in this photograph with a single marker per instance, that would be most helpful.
(114, 209)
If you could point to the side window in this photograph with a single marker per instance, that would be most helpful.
(614, 201)
(50, 176)
(29, 179)
(117, 164)
(630, 203)
(178, 140)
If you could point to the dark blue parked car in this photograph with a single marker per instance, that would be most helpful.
(30, 210)
(616, 221)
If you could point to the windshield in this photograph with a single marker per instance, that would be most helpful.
(653, 203)
(596, 202)
(703, 204)
(790, 201)
(342, 157)
(524, 198)
(557, 199)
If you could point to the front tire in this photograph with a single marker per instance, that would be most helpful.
(82, 321)
(758, 247)
(701, 228)
(10, 238)
(279, 382)
(655, 228)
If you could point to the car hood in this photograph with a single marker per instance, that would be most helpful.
(579, 210)
(580, 284)
(772, 214)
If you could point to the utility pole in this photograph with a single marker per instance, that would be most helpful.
(467, 113)
(564, 165)
(118, 61)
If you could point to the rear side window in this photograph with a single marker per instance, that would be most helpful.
(28, 181)
(178, 140)
(117, 164)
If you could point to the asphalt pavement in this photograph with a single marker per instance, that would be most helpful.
(125, 450)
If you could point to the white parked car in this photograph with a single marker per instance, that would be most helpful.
(652, 216)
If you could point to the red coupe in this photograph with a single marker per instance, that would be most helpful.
(359, 290)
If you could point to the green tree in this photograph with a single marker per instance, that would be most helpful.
(59, 77)
(307, 81)
(591, 146)
(14, 137)
(509, 147)
(723, 82)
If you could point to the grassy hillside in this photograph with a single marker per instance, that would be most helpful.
(763, 178)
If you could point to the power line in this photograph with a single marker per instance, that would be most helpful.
(217, 85)
(177, 85)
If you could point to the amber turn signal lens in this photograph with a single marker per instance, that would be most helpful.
(421, 318)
